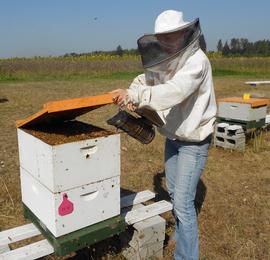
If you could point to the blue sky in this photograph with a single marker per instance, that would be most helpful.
(56, 27)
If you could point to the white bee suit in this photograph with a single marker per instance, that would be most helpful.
(181, 91)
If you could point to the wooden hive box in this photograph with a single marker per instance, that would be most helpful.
(243, 110)
(70, 171)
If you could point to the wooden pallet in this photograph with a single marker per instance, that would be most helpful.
(43, 247)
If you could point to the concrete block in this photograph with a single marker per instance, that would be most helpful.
(235, 131)
(145, 240)
(221, 129)
(232, 138)
(148, 231)
(151, 251)
(236, 144)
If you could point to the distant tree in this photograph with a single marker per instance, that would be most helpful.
(132, 51)
(242, 47)
(202, 42)
(119, 51)
(235, 46)
(262, 48)
(219, 46)
(72, 54)
(226, 49)
(244, 44)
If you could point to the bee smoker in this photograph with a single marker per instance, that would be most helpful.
(138, 127)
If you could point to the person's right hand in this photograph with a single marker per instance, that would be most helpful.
(120, 97)
(131, 107)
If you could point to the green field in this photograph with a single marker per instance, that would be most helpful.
(113, 67)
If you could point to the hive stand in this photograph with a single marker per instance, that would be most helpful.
(145, 239)
(229, 136)
(133, 215)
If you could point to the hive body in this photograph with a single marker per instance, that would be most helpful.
(72, 185)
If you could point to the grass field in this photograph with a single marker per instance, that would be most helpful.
(113, 67)
(235, 187)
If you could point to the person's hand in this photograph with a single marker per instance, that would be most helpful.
(131, 107)
(120, 97)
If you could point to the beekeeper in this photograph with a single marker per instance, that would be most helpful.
(177, 85)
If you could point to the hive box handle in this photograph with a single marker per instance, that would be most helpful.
(87, 151)
(234, 106)
(89, 195)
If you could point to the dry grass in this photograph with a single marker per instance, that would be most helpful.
(235, 217)
(255, 66)
(67, 68)
(88, 67)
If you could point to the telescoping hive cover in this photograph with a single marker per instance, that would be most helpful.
(63, 110)
(254, 102)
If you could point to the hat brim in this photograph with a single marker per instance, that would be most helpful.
(186, 25)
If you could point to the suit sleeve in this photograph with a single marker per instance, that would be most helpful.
(163, 96)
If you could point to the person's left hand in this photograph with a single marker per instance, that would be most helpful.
(120, 97)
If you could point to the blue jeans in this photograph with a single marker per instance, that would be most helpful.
(184, 163)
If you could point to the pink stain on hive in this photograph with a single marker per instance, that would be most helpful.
(66, 207)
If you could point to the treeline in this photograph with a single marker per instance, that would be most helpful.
(242, 47)
(119, 51)
(236, 47)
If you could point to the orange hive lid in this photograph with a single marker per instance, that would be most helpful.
(65, 109)
(254, 102)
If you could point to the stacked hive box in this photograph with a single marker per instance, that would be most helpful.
(235, 117)
(72, 180)
(250, 113)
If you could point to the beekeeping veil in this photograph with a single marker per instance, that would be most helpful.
(165, 52)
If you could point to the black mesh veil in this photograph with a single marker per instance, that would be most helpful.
(155, 48)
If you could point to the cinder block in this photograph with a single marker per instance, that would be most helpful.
(219, 142)
(146, 239)
(230, 136)
(235, 130)
(148, 231)
(230, 144)
(151, 251)
(221, 129)
(236, 144)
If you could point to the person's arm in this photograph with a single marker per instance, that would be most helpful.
(138, 81)
(159, 97)
(121, 97)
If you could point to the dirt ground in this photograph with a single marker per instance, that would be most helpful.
(233, 194)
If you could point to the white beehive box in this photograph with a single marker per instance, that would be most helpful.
(70, 171)
(92, 203)
(65, 166)
(244, 110)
